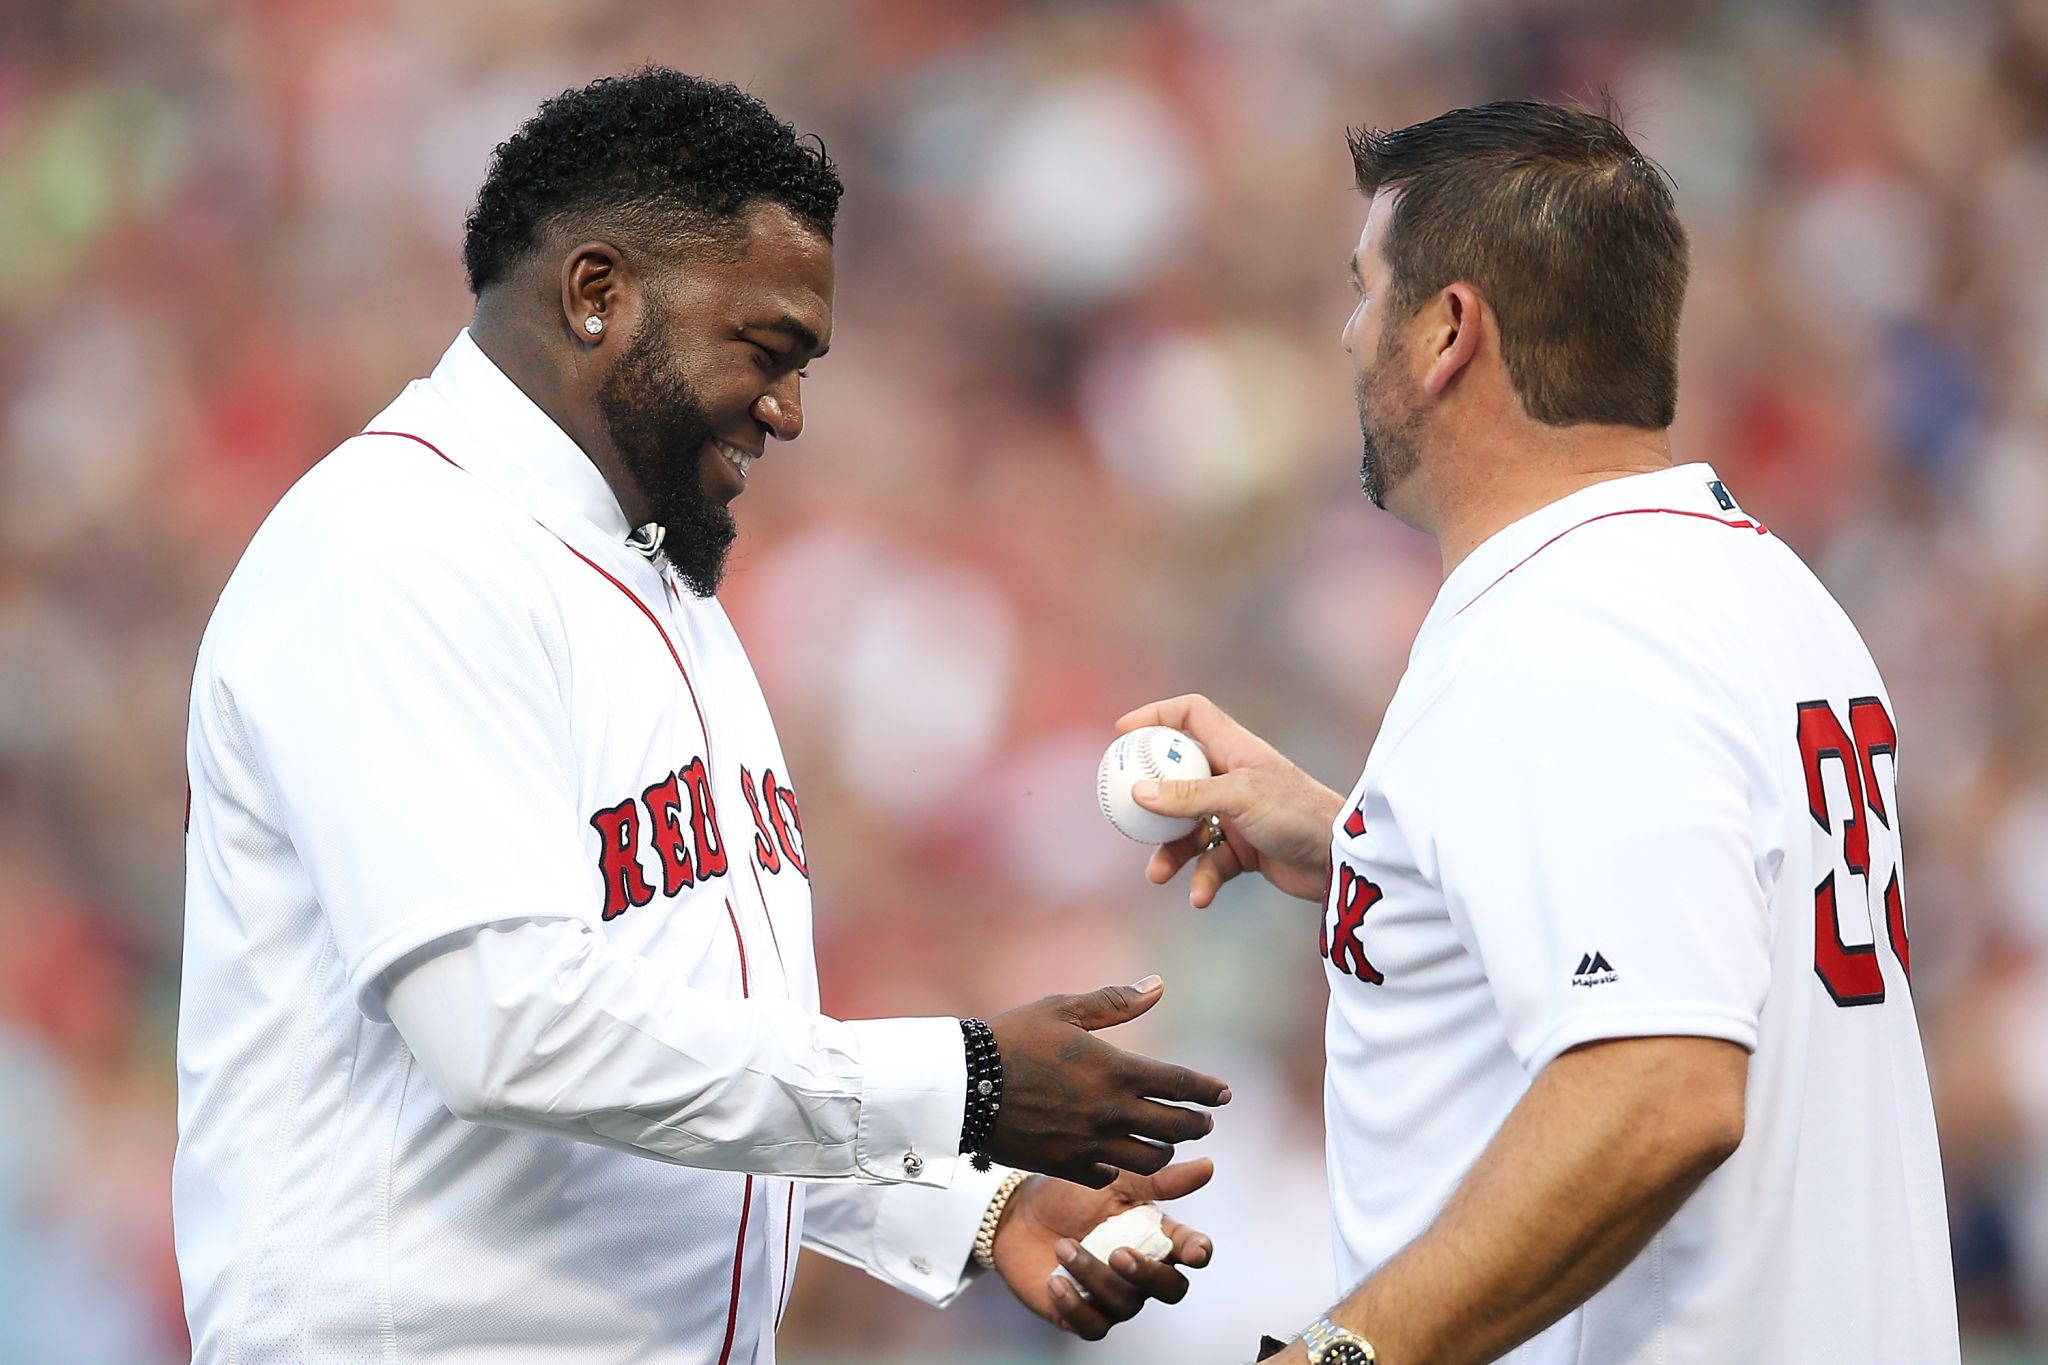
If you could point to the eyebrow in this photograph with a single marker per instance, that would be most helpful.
(798, 332)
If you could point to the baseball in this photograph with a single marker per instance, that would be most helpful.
(1155, 752)
(1136, 1228)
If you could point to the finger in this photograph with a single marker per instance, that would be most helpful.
(1191, 1248)
(1176, 1084)
(1074, 1313)
(1152, 1279)
(1166, 1123)
(1213, 868)
(1177, 1181)
(1116, 1297)
(1179, 712)
(1169, 858)
(1113, 1005)
(1094, 1174)
(1138, 1155)
(1192, 797)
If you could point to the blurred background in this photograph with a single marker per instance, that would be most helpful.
(1085, 439)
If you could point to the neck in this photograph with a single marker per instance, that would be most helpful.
(1476, 497)
(558, 384)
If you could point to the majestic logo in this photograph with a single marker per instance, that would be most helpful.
(1594, 970)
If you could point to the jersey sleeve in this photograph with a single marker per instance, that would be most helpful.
(915, 1238)
(408, 720)
(544, 1025)
(1594, 836)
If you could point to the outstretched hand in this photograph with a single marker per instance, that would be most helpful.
(1076, 1107)
(1276, 818)
(1042, 1229)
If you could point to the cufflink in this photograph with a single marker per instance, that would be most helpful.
(913, 1165)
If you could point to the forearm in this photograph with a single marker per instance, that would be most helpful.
(545, 1026)
(1601, 1152)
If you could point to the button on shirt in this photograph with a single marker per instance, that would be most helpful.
(499, 1036)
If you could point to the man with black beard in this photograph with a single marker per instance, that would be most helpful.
(500, 1036)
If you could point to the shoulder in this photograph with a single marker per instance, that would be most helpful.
(380, 509)
(379, 532)
(1567, 667)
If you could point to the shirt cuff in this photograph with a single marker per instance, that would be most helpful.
(924, 1238)
(913, 1098)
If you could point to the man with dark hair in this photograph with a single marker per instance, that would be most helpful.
(1623, 1064)
(497, 884)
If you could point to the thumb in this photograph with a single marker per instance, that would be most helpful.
(1181, 796)
(1114, 1005)
(1172, 1182)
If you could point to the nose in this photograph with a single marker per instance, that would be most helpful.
(781, 410)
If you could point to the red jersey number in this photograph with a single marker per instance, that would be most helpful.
(1850, 971)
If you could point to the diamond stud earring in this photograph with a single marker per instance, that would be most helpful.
(593, 324)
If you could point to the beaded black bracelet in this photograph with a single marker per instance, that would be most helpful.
(984, 1089)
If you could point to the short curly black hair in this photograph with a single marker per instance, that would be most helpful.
(653, 156)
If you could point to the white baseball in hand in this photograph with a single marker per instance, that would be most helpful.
(1137, 1228)
(1156, 753)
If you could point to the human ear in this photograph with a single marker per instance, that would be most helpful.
(1458, 316)
(593, 292)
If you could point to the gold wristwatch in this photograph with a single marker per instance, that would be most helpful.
(1329, 1344)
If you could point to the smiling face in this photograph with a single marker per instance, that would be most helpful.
(713, 370)
(1389, 398)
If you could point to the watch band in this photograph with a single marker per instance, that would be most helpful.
(1329, 1344)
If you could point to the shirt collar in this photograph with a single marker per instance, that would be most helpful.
(524, 442)
(1688, 488)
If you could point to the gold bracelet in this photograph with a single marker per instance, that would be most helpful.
(992, 1218)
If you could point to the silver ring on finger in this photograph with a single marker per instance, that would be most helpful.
(1215, 834)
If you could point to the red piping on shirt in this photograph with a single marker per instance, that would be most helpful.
(732, 1317)
(1755, 526)
(773, 938)
(631, 596)
(788, 1218)
(739, 1250)
(740, 939)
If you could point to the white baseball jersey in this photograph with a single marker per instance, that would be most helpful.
(442, 711)
(1639, 780)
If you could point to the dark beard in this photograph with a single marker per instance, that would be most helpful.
(1391, 435)
(660, 429)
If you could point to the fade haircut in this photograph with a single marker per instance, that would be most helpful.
(1567, 231)
(653, 159)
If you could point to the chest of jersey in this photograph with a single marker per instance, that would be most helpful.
(692, 829)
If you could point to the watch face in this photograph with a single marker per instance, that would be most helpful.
(1344, 1353)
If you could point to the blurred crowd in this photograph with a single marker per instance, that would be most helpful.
(1085, 439)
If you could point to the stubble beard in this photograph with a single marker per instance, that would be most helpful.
(659, 429)
(1389, 425)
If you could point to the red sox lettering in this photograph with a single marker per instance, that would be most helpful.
(677, 820)
(778, 829)
(1351, 894)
